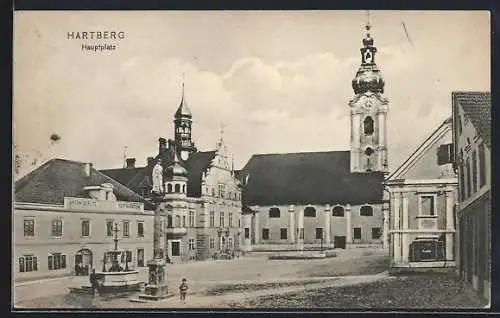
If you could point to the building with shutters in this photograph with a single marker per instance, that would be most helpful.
(202, 196)
(472, 160)
(65, 215)
(422, 205)
(333, 198)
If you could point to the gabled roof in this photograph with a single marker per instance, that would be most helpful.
(420, 151)
(477, 108)
(308, 178)
(60, 178)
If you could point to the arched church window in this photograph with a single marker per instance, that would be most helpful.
(177, 188)
(338, 211)
(310, 212)
(274, 213)
(366, 210)
(368, 125)
(169, 188)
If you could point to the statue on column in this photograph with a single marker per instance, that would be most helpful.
(157, 178)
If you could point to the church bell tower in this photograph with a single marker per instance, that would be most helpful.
(182, 122)
(368, 113)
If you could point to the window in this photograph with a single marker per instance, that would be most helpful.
(86, 228)
(28, 263)
(191, 244)
(274, 212)
(247, 232)
(109, 228)
(57, 261)
(177, 221)
(230, 219)
(283, 234)
(376, 233)
(265, 234)
(126, 228)
(126, 257)
(230, 243)
(212, 218)
(177, 188)
(474, 171)
(169, 188)
(469, 185)
(338, 211)
(140, 228)
(319, 233)
(445, 154)
(211, 243)
(357, 233)
(310, 212)
(57, 227)
(368, 126)
(427, 205)
(191, 219)
(183, 188)
(183, 221)
(222, 189)
(170, 223)
(29, 227)
(301, 233)
(459, 124)
(482, 165)
(213, 192)
(221, 219)
(462, 183)
(366, 210)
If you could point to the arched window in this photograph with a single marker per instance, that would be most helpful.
(177, 221)
(310, 212)
(338, 211)
(183, 188)
(366, 210)
(274, 213)
(368, 126)
(169, 188)
(177, 188)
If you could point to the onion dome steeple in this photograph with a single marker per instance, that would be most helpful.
(368, 78)
(182, 122)
(183, 109)
(176, 171)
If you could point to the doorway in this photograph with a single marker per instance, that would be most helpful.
(140, 257)
(339, 242)
(83, 262)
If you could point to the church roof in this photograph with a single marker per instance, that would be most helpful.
(59, 178)
(477, 108)
(308, 178)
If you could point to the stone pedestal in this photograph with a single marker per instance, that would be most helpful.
(157, 285)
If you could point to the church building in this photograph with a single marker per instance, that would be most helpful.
(203, 197)
(333, 198)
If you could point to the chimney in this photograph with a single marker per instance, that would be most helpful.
(151, 161)
(130, 162)
(87, 169)
(163, 144)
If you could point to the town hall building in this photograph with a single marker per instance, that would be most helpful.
(333, 198)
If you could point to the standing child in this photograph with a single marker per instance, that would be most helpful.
(183, 289)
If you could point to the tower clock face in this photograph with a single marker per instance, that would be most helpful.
(184, 155)
(368, 57)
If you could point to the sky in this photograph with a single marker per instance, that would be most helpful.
(279, 81)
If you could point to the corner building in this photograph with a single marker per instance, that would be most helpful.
(203, 197)
(333, 198)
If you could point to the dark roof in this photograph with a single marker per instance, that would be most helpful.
(308, 178)
(477, 108)
(140, 178)
(59, 178)
(183, 109)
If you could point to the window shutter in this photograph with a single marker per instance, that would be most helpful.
(49, 262)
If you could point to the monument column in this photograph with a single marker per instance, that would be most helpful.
(348, 226)
(291, 223)
(405, 241)
(328, 215)
(396, 226)
(450, 225)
